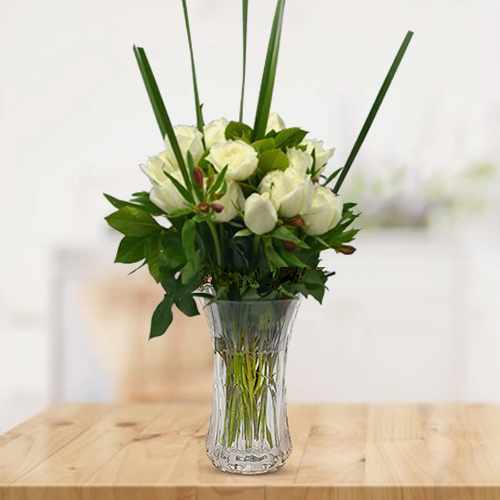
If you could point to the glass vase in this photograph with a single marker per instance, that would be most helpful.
(248, 430)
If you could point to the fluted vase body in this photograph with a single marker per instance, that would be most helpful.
(248, 431)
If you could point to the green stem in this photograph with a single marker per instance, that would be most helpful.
(218, 253)
(199, 113)
(245, 21)
(255, 249)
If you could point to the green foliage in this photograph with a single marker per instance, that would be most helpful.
(218, 183)
(130, 250)
(197, 105)
(162, 317)
(139, 200)
(178, 293)
(273, 159)
(289, 137)
(286, 234)
(132, 221)
(159, 109)
(264, 145)
(373, 111)
(192, 267)
(195, 250)
(269, 74)
(238, 130)
(244, 9)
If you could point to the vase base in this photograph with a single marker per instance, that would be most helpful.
(247, 462)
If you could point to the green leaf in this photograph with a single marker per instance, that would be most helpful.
(347, 207)
(132, 221)
(332, 176)
(182, 190)
(153, 250)
(264, 145)
(116, 202)
(274, 159)
(189, 239)
(199, 114)
(159, 109)
(290, 258)
(289, 137)
(269, 74)
(373, 111)
(142, 199)
(314, 277)
(139, 200)
(318, 292)
(285, 234)
(219, 181)
(187, 305)
(238, 130)
(244, 8)
(172, 255)
(130, 250)
(192, 266)
(273, 258)
(162, 317)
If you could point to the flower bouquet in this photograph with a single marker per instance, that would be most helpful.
(237, 218)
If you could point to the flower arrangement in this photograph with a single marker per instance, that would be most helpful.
(247, 210)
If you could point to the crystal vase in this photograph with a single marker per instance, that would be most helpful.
(248, 430)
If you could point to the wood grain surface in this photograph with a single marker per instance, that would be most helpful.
(341, 452)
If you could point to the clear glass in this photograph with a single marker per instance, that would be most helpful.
(248, 431)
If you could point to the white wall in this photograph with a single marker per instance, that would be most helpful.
(74, 119)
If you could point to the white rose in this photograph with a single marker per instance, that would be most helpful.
(240, 158)
(260, 214)
(274, 184)
(166, 196)
(299, 161)
(232, 201)
(290, 193)
(156, 167)
(154, 170)
(275, 122)
(322, 154)
(215, 131)
(325, 212)
(189, 139)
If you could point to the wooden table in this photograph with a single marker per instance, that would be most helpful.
(342, 452)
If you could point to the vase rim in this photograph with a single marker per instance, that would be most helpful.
(297, 298)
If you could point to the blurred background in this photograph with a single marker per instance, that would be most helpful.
(412, 316)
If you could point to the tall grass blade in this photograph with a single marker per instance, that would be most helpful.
(199, 112)
(244, 6)
(159, 109)
(373, 111)
(269, 74)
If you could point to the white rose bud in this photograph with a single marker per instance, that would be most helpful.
(232, 201)
(290, 193)
(325, 212)
(166, 196)
(240, 158)
(275, 122)
(299, 161)
(260, 214)
(322, 154)
(215, 132)
(189, 139)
